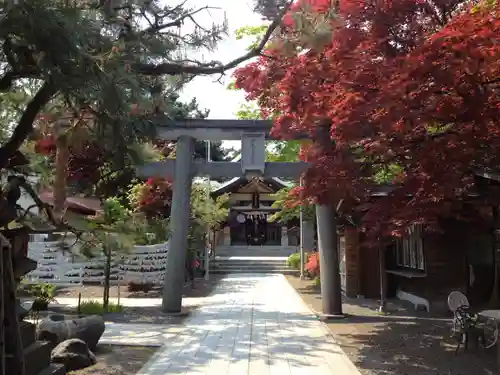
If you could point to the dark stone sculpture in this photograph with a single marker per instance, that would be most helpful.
(74, 354)
(57, 329)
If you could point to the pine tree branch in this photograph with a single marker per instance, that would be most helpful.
(211, 67)
(25, 125)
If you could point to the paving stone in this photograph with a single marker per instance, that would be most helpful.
(251, 325)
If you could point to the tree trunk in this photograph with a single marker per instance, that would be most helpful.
(107, 275)
(11, 316)
(2, 311)
(494, 300)
(331, 286)
(61, 176)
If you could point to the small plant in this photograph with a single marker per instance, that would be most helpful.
(312, 265)
(317, 281)
(43, 294)
(293, 261)
(96, 308)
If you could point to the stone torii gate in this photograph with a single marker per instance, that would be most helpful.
(253, 134)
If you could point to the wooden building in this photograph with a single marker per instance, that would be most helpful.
(424, 268)
(248, 221)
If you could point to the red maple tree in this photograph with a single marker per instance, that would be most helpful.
(156, 197)
(407, 86)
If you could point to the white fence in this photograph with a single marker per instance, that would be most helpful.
(143, 264)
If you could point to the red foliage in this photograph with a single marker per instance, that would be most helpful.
(84, 162)
(156, 196)
(85, 168)
(312, 265)
(46, 146)
(406, 82)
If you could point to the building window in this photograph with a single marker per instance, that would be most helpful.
(410, 250)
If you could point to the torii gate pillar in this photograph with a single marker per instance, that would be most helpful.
(180, 213)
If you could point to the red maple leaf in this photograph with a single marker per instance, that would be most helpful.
(400, 84)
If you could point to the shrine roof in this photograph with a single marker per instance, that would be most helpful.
(237, 182)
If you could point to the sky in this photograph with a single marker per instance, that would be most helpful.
(210, 94)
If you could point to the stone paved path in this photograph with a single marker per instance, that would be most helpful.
(249, 325)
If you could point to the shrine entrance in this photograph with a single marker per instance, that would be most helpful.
(254, 229)
(249, 221)
(183, 168)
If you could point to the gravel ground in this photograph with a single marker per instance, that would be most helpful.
(400, 342)
(117, 360)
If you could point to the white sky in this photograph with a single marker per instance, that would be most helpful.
(210, 94)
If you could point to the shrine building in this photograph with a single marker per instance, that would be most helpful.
(248, 223)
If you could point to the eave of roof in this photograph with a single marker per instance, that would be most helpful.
(236, 180)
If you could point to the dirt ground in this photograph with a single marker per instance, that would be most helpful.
(140, 314)
(117, 360)
(400, 342)
(90, 291)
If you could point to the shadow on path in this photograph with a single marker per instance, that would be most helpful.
(400, 342)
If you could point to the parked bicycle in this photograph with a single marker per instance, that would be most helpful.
(467, 325)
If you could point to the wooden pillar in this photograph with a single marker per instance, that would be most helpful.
(284, 236)
(352, 260)
(226, 237)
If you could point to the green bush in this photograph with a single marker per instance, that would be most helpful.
(317, 281)
(96, 308)
(293, 261)
(43, 293)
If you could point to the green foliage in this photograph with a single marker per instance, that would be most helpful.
(248, 112)
(150, 228)
(317, 281)
(286, 212)
(254, 32)
(97, 308)
(150, 231)
(12, 104)
(101, 60)
(206, 214)
(283, 151)
(293, 261)
(110, 230)
(484, 4)
(42, 291)
(386, 174)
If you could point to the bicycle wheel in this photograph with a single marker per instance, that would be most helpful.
(490, 329)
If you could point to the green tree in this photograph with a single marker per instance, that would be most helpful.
(117, 60)
(110, 234)
(206, 215)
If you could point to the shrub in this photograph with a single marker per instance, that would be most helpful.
(139, 287)
(317, 281)
(43, 294)
(96, 308)
(293, 261)
(312, 265)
